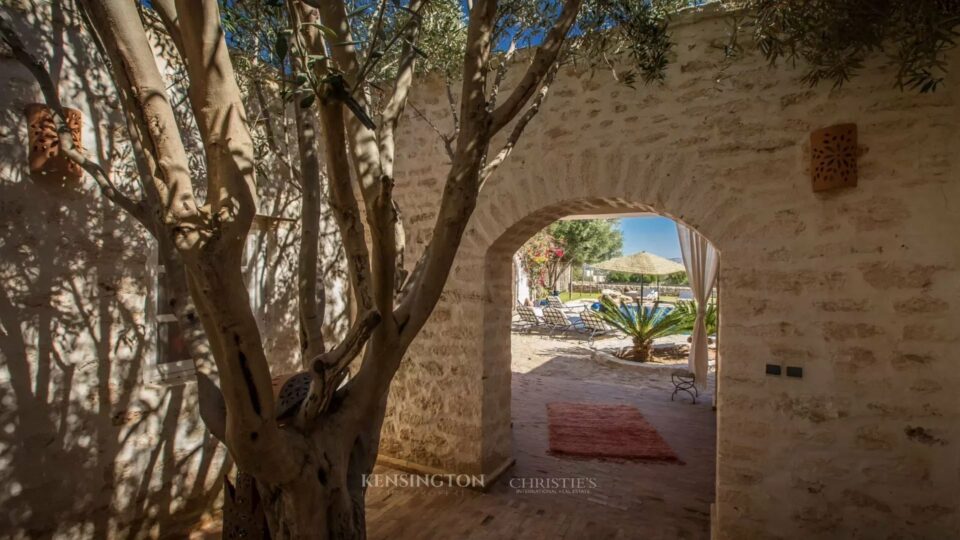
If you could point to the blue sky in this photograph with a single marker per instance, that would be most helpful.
(650, 233)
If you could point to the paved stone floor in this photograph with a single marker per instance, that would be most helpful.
(630, 500)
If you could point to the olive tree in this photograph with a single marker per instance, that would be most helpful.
(831, 40)
(351, 69)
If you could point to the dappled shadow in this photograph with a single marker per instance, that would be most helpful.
(86, 448)
(84, 442)
(90, 445)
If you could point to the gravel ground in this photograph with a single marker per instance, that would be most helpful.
(572, 357)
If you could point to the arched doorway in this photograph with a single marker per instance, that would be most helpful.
(816, 281)
(450, 407)
(498, 309)
(649, 497)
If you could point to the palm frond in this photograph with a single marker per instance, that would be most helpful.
(689, 309)
(644, 324)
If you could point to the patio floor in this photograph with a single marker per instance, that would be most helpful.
(629, 500)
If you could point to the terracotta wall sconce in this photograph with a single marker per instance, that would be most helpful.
(833, 155)
(47, 163)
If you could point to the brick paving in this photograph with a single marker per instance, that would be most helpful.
(622, 500)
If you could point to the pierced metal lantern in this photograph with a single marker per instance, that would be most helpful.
(46, 161)
(293, 389)
(833, 154)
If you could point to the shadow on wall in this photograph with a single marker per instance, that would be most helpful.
(86, 449)
(84, 445)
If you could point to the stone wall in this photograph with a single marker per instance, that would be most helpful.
(859, 286)
(94, 442)
(88, 448)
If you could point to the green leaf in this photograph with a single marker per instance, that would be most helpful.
(307, 101)
(280, 47)
(314, 58)
(325, 30)
(359, 11)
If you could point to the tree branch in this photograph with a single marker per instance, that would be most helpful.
(311, 297)
(218, 108)
(447, 139)
(453, 108)
(363, 141)
(328, 368)
(479, 125)
(51, 95)
(343, 201)
(167, 11)
(373, 151)
(401, 91)
(461, 188)
(374, 33)
(502, 70)
(118, 25)
(390, 237)
(519, 127)
(543, 59)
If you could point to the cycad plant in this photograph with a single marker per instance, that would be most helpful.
(643, 324)
(689, 309)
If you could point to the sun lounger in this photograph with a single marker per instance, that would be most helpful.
(558, 321)
(593, 325)
(555, 302)
(528, 319)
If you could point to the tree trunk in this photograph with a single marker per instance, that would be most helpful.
(310, 508)
(326, 499)
(640, 351)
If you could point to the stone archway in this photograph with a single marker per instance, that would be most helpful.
(498, 311)
(854, 286)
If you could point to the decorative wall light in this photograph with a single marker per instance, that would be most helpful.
(46, 161)
(833, 155)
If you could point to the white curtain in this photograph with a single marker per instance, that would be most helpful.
(520, 278)
(702, 262)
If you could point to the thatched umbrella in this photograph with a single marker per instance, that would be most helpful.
(642, 263)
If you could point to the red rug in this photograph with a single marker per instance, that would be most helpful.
(597, 430)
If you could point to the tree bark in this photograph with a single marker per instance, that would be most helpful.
(311, 294)
(325, 502)
(310, 468)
